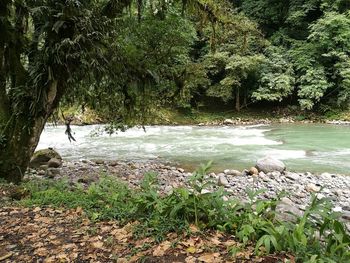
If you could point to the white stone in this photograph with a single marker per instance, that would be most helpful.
(293, 176)
(269, 164)
(222, 181)
(312, 188)
(337, 209)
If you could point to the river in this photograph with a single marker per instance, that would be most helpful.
(303, 147)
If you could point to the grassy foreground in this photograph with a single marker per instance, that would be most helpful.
(317, 236)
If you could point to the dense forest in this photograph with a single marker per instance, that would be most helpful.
(242, 52)
(126, 59)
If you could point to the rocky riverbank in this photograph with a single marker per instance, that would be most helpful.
(298, 186)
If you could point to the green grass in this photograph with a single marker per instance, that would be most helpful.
(317, 236)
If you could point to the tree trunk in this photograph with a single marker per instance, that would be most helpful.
(19, 136)
(238, 105)
(19, 146)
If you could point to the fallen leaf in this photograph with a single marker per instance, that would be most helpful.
(210, 258)
(190, 259)
(161, 249)
(97, 244)
(36, 209)
(6, 256)
(191, 250)
(194, 229)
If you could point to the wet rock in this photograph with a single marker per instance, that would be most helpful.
(222, 181)
(41, 157)
(269, 164)
(54, 163)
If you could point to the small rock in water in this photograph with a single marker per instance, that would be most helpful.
(312, 188)
(222, 181)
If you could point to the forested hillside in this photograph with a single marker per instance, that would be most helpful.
(242, 53)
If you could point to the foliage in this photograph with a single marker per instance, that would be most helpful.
(316, 236)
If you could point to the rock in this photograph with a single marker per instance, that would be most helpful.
(168, 190)
(54, 163)
(337, 209)
(269, 164)
(212, 175)
(52, 172)
(222, 181)
(245, 172)
(263, 176)
(181, 170)
(88, 179)
(320, 196)
(99, 161)
(228, 122)
(41, 172)
(253, 171)
(43, 167)
(293, 176)
(113, 163)
(312, 188)
(233, 172)
(41, 157)
(205, 191)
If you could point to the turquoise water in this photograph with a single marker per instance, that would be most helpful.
(303, 147)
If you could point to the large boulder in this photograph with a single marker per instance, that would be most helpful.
(269, 164)
(42, 157)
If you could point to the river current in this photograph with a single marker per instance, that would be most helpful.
(303, 147)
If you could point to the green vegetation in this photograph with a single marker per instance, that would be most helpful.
(127, 60)
(317, 236)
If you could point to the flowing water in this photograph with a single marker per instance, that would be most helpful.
(303, 147)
